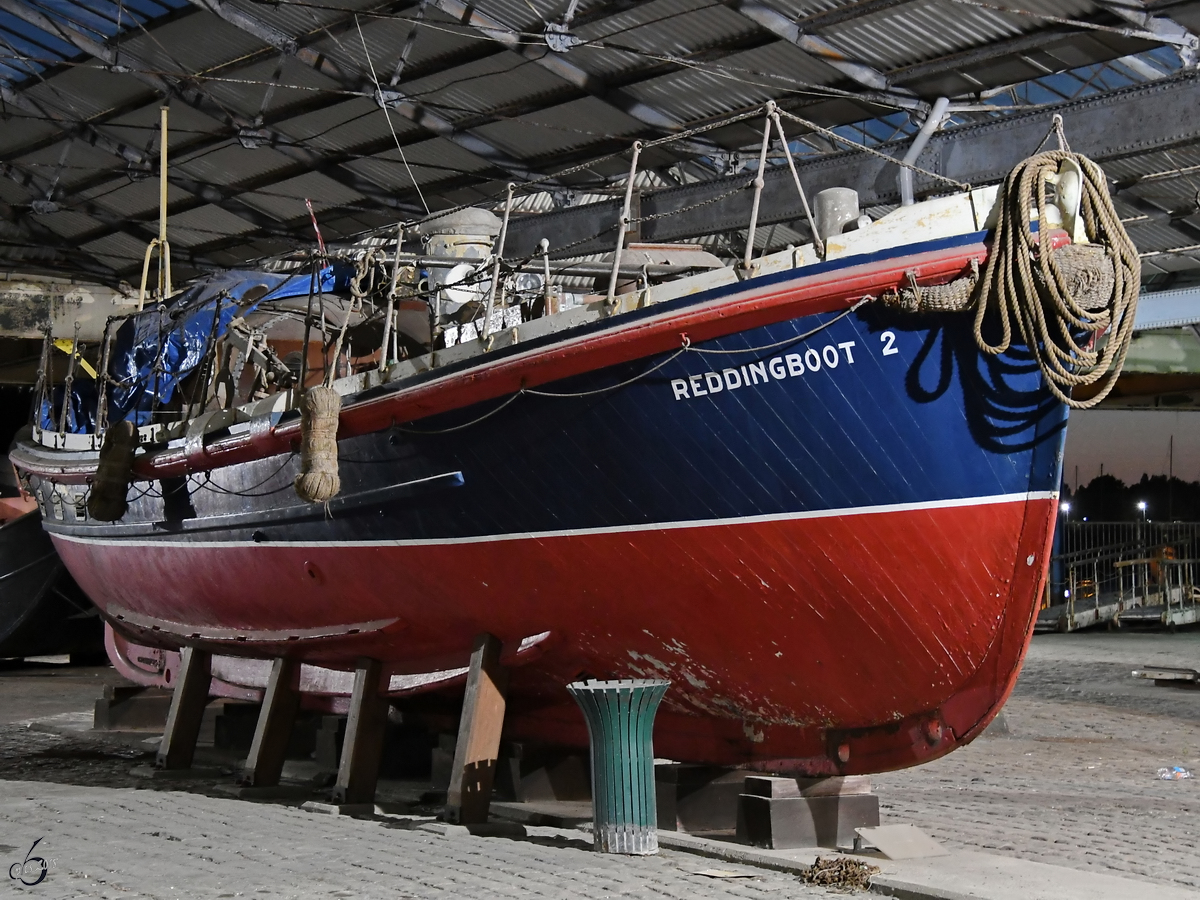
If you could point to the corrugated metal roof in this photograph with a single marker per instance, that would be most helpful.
(430, 161)
(134, 198)
(739, 81)
(661, 28)
(246, 89)
(354, 123)
(35, 50)
(1171, 263)
(736, 82)
(69, 224)
(66, 163)
(230, 163)
(926, 29)
(140, 127)
(386, 39)
(495, 83)
(119, 251)
(91, 90)
(187, 45)
(285, 200)
(296, 18)
(639, 68)
(561, 128)
(1152, 236)
(203, 225)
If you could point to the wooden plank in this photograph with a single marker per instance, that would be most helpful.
(478, 747)
(178, 745)
(264, 765)
(362, 746)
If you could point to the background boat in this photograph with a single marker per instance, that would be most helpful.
(42, 610)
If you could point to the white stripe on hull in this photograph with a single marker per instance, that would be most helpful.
(579, 532)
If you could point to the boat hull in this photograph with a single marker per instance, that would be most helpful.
(783, 639)
(829, 531)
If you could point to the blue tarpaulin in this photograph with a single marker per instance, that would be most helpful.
(156, 349)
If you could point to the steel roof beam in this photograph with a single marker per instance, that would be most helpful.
(47, 245)
(280, 41)
(194, 97)
(966, 60)
(229, 194)
(134, 228)
(49, 191)
(241, 63)
(782, 26)
(467, 14)
(206, 193)
(358, 81)
(208, 142)
(1124, 123)
(1155, 27)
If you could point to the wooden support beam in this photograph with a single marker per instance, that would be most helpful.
(362, 746)
(187, 709)
(478, 746)
(264, 765)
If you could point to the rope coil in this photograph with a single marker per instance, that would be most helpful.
(318, 480)
(1052, 296)
(1062, 301)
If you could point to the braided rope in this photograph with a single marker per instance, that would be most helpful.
(1023, 281)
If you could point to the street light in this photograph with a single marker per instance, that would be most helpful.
(1065, 508)
(1141, 505)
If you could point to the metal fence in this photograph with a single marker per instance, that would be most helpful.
(1076, 540)
(1102, 570)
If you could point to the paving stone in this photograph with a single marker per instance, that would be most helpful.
(128, 843)
(1074, 781)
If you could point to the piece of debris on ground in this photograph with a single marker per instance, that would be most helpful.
(846, 873)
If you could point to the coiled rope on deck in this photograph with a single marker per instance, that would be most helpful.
(1052, 295)
(1061, 300)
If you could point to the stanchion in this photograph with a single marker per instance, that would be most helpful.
(620, 720)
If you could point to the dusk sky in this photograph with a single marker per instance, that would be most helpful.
(1130, 442)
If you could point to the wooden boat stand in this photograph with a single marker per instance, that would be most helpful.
(478, 747)
(476, 753)
(281, 701)
(362, 747)
(178, 745)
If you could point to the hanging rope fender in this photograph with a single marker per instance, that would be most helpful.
(107, 499)
(1062, 301)
(318, 480)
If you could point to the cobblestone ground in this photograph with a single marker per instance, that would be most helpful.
(113, 843)
(1074, 781)
(109, 834)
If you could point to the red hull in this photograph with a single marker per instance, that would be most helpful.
(770, 631)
